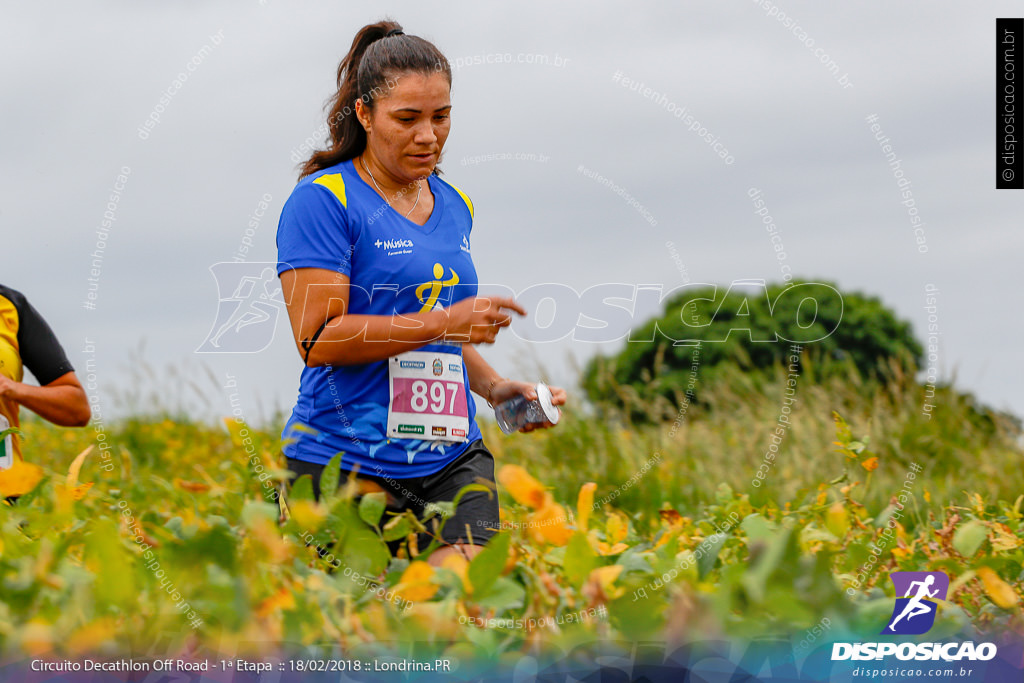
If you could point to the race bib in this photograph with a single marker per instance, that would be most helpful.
(428, 397)
(6, 445)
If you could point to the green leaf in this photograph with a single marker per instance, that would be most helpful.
(757, 528)
(505, 594)
(371, 507)
(486, 567)
(251, 512)
(711, 545)
(768, 557)
(302, 489)
(398, 527)
(329, 479)
(640, 614)
(837, 520)
(969, 537)
(884, 516)
(634, 561)
(555, 556)
(579, 559)
(367, 551)
(216, 544)
(810, 534)
(444, 508)
(396, 568)
(358, 546)
(1014, 514)
(103, 553)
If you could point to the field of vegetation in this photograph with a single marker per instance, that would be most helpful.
(162, 540)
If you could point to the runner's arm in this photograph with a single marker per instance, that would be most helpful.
(482, 377)
(317, 301)
(487, 383)
(59, 397)
(316, 295)
(62, 401)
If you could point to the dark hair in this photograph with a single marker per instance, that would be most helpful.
(374, 58)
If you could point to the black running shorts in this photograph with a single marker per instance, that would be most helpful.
(475, 517)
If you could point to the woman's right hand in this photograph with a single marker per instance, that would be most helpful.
(477, 320)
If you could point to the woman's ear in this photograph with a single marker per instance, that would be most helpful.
(363, 114)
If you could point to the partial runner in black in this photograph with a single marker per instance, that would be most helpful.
(26, 341)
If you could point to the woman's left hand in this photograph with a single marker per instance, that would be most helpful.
(507, 389)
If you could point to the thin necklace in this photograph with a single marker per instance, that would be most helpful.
(419, 188)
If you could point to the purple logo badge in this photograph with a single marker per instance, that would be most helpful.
(916, 593)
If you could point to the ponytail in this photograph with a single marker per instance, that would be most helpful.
(380, 52)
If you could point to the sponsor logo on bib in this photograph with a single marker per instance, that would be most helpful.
(410, 429)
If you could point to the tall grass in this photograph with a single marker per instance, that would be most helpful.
(724, 439)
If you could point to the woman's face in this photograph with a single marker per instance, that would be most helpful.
(408, 125)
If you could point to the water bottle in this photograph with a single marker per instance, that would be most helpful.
(517, 411)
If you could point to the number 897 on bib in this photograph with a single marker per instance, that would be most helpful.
(428, 397)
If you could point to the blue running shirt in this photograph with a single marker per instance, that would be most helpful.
(336, 221)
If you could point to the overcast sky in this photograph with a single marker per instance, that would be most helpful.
(80, 79)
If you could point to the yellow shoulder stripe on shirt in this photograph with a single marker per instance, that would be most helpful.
(336, 184)
(465, 199)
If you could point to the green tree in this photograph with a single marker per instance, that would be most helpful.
(705, 334)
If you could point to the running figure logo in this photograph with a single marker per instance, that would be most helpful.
(429, 298)
(250, 303)
(914, 613)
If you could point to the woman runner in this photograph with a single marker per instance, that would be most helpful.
(376, 269)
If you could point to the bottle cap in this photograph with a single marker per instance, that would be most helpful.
(544, 398)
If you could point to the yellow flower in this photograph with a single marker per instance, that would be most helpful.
(76, 467)
(599, 587)
(665, 538)
(871, 464)
(460, 565)
(191, 486)
(71, 490)
(822, 494)
(20, 478)
(66, 495)
(416, 584)
(525, 489)
(89, 637)
(550, 524)
(606, 576)
(308, 515)
(585, 504)
(997, 589)
(37, 637)
(1003, 537)
(617, 527)
(604, 548)
(282, 599)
